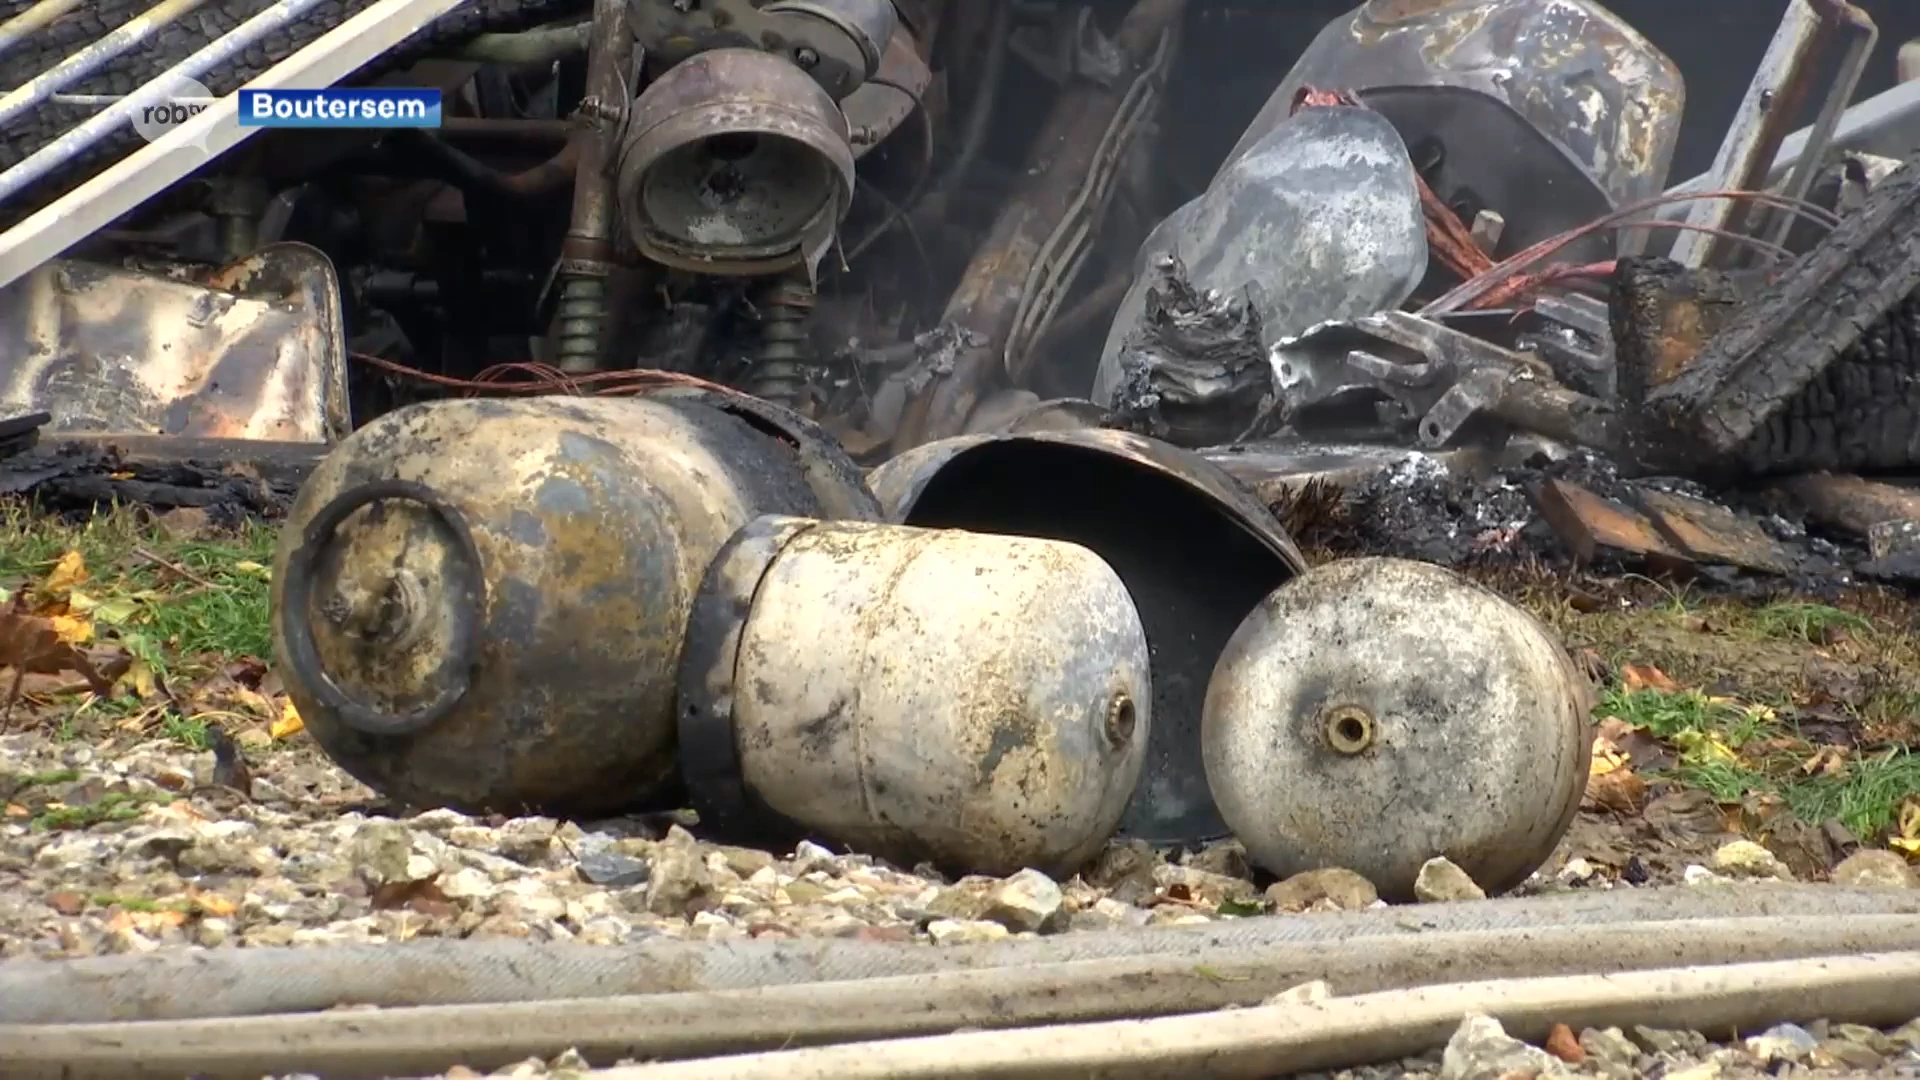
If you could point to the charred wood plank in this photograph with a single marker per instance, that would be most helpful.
(1796, 328)
(1852, 504)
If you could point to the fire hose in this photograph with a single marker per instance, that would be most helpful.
(225, 1013)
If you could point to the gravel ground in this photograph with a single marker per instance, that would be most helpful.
(133, 849)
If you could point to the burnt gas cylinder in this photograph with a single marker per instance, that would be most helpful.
(1374, 714)
(979, 702)
(479, 604)
(1196, 550)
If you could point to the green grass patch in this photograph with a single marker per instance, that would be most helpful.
(115, 806)
(1731, 751)
(163, 596)
(1814, 623)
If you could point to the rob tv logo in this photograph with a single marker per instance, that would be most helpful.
(378, 107)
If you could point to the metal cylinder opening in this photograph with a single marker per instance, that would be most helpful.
(1122, 718)
(1349, 729)
(736, 162)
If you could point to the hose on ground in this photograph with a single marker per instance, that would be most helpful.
(1880, 989)
(429, 1040)
(189, 984)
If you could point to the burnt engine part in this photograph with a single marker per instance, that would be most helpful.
(1378, 713)
(1195, 549)
(1817, 368)
(1548, 112)
(1193, 370)
(735, 162)
(480, 604)
(1027, 264)
(976, 701)
(1320, 219)
(838, 43)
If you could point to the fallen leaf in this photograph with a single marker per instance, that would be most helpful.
(1606, 757)
(1562, 1043)
(31, 645)
(70, 630)
(1621, 791)
(66, 574)
(1908, 839)
(1638, 677)
(1700, 748)
(213, 904)
(139, 681)
(1826, 761)
(248, 566)
(115, 612)
(289, 724)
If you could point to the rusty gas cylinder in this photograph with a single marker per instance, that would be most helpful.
(1196, 550)
(976, 701)
(479, 604)
(1374, 714)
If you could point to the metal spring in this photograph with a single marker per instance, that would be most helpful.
(786, 309)
(582, 317)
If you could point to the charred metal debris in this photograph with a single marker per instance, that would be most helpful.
(754, 406)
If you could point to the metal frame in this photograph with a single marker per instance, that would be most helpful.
(143, 174)
(1753, 143)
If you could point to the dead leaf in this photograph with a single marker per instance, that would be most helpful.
(1620, 791)
(1826, 761)
(1703, 748)
(1606, 757)
(1908, 840)
(1562, 1044)
(1638, 677)
(213, 904)
(31, 645)
(70, 630)
(289, 724)
(67, 574)
(139, 680)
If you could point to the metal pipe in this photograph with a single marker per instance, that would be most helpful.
(586, 257)
(1753, 140)
(476, 177)
(33, 20)
(219, 51)
(134, 179)
(92, 58)
(528, 47)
